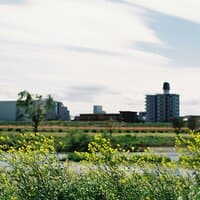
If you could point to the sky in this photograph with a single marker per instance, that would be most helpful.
(104, 52)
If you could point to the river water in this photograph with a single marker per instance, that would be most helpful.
(169, 152)
(163, 151)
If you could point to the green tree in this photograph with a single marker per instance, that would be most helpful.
(193, 123)
(34, 107)
(177, 124)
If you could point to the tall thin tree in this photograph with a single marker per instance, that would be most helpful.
(34, 107)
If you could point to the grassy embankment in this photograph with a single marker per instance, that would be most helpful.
(74, 140)
(75, 136)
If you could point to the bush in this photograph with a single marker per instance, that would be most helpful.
(74, 157)
(190, 150)
(34, 172)
(18, 130)
(151, 158)
(43, 130)
(77, 141)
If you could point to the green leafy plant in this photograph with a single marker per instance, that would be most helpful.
(34, 108)
(190, 150)
(31, 170)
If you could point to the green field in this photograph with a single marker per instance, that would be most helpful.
(90, 123)
(78, 140)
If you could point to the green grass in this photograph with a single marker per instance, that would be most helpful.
(36, 174)
(93, 123)
(64, 133)
(78, 140)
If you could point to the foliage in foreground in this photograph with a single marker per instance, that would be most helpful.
(190, 150)
(78, 140)
(32, 171)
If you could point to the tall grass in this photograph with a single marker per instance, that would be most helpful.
(31, 171)
(78, 140)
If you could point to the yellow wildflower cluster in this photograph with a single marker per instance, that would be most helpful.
(101, 151)
(28, 149)
(190, 150)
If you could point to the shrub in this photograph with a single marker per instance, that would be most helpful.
(74, 157)
(77, 141)
(18, 130)
(190, 150)
(151, 158)
(144, 181)
(32, 169)
(34, 172)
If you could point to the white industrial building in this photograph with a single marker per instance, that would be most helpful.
(9, 112)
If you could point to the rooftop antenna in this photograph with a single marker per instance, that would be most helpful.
(166, 88)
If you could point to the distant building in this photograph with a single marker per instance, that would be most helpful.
(59, 112)
(98, 109)
(99, 117)
(123, 116)
(129, 116)
(62, 112)
(186, 117)
(162, 107)
(9, 111)
(142, 116)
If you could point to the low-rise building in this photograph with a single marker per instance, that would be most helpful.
(122, 116)
(10, 111)
(99, 117)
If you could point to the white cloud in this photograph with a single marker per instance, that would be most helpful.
(181, 8)
(49, 46)
(97, 24)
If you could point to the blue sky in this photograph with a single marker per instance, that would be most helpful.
(108, 52)
(181, 38)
